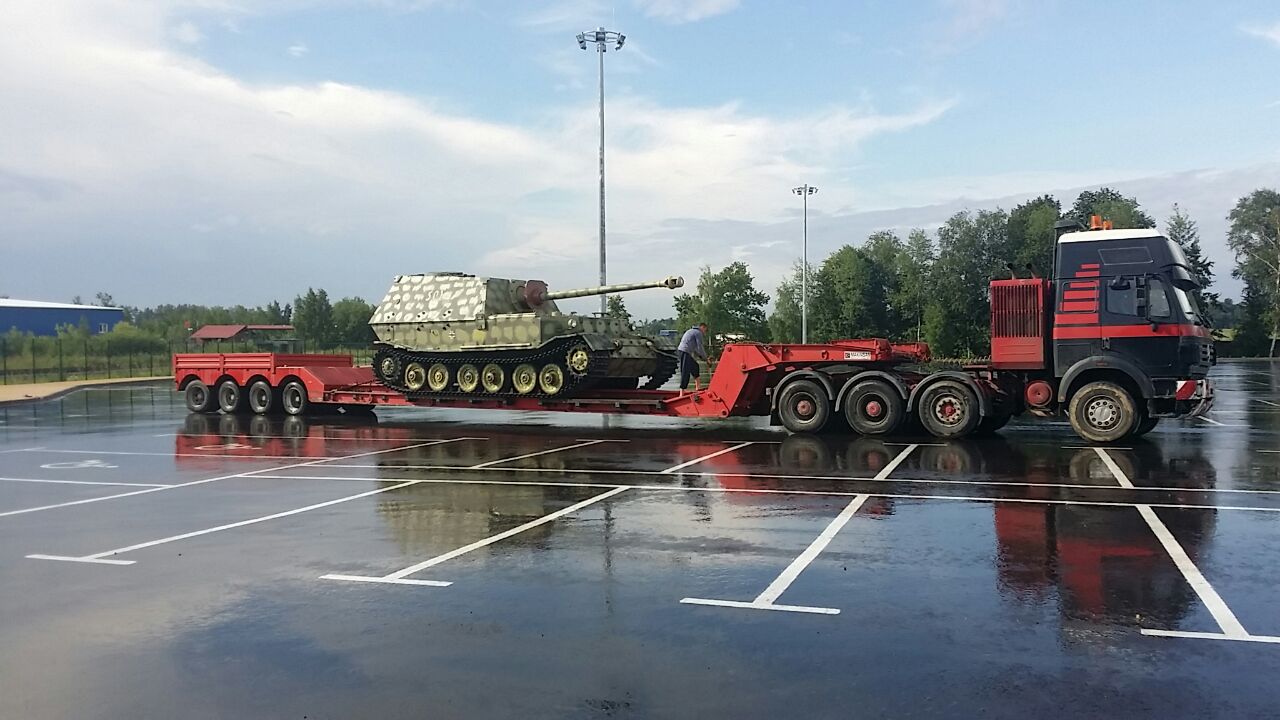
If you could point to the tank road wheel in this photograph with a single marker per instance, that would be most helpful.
(262, 397)
(437, 377)
(468, 378)
(493, 378)
(524, 378)
(578, 359)
(293, 398)
(415, 376)
(804, 406)
(230, 397)
(1102, 412)
(948, 409)
(874, 407)
(198, 397)
(551, 379)
(389, 368)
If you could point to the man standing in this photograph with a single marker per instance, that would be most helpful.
(692, 346)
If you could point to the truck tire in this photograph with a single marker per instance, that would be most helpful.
(948, 409)
(874, 407)
(991, 423)
(230, 397)
(293, 398)
(262, 398)
(1146, 425)
(804, 406)
(1103, 412)
(198, 397)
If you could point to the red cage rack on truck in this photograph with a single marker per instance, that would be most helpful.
(1115, 342)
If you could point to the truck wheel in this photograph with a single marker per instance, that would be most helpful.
(262, 397)
(1147, 424)
(1102, 412)
(991, 423)
(948, 409)
(874, 407)
(293, 398)
(804, 406)
(230, 398)
(198, 397)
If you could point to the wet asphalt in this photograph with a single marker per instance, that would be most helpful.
(429, 563)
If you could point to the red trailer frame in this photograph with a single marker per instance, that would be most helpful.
(744, 382)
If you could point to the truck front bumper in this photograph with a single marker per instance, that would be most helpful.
(1194, 397)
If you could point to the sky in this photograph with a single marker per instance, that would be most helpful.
(235, 152)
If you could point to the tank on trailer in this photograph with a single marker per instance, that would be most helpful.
(445, 333)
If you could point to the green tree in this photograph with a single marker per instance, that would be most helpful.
(847, 302)
(1181, 229)
(313, 317)
(276, 315)
(727, 301)
(1255, 239)
(785, 321)
(1110, 204)
(957, 317)
(1031, 234)
(884, 249)
(104, 300)
(616, 308)
(915, 264)
(351, 321)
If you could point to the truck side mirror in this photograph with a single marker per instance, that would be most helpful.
(1120, 282)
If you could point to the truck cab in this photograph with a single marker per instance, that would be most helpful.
(1114, 339)
(1124, 298)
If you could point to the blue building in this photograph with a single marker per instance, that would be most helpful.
(43, 318)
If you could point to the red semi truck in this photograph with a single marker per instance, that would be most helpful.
(1114, 341)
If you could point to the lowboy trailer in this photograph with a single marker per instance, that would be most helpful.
(1115, 342)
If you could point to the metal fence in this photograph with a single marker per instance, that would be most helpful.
(28, 359)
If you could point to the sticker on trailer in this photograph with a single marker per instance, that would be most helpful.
(857, 354)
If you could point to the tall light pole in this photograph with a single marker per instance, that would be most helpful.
(601, 38)
(804, 191)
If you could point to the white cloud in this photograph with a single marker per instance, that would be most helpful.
(298, 50)
(685, 11)
(1266, 32)
(120, 146)
(187, 33)
(964, 21)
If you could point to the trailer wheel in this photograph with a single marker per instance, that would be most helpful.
(231, 399)
(948, 409)
(874, 407)
(198, 397)
(804, 406)
(293, 398)
(262, 397)
(1103, 412)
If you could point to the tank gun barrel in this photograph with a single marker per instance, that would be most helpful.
(534, 292)
(670, 283)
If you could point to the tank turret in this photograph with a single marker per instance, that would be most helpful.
(443, 333)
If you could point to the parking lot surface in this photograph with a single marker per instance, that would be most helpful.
(430, 563)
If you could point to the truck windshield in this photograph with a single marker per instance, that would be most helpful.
(1189, 307)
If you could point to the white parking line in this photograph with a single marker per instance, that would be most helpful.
(401, 576)
(1227, 621)
(491, 463)
(708, 456)
(767, 600)
(769, 476)
(99, 557)
(1267, 402)
(83, 482)
(14, 450)
(249, 473)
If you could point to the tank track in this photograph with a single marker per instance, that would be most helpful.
(667, 366)
(556, 352)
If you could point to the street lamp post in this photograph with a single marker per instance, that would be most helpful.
(804, 191)
(601, 38)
